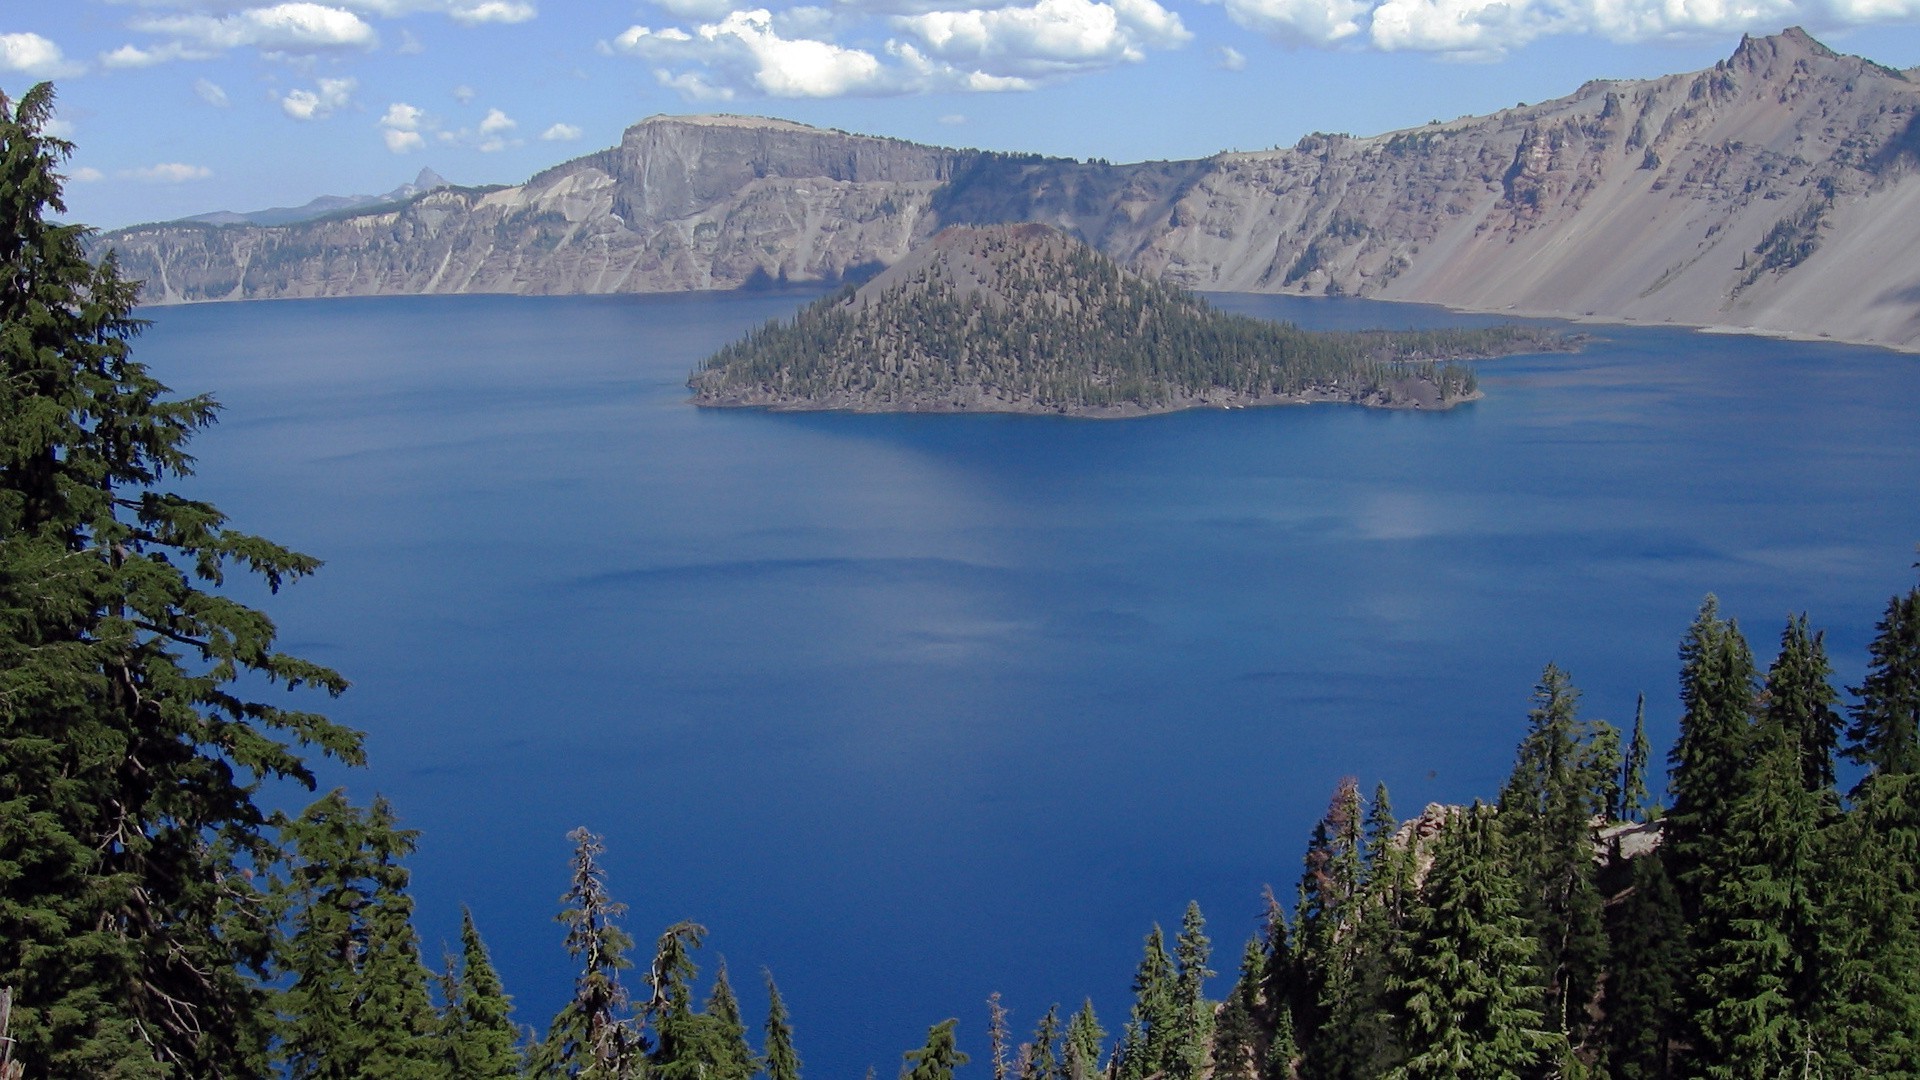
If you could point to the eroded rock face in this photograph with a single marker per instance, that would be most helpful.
(1778, 190)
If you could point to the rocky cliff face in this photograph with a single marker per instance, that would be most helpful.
(1778, 190)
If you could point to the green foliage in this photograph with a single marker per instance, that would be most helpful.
(1149, 1044)
(477, 1027)
(1466, 986)
(1236, 1035)
(1085, 1037)
(1636, 802)
(1648, 936)
(1192, 1016)
(131, 930)
(1042, 1061)
(782, 1061)
(1564, 776)
(592, 1037)
(358, 1003)
(938, 1058)
(1062, 327)
(1885, 735)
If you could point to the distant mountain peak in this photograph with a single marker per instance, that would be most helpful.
(1793, 44)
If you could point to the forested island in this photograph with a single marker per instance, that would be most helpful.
(1023, 319)
(159, 919)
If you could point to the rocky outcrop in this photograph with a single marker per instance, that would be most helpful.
(1776, 191)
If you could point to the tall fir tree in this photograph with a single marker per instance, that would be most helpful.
(1468, 991)
(133, 740)
(1636, 802)
(938, 1058)
(592, 1037)
(1236, 1034)
(1326, 919)
(478, 1031)
(1866, 1017)
(1148, 1046)
(1885, 734)
(1043, 1058)
(1192, 1016)
(1547, 813)
(1648, 970)
(1717, 692)
(736, 1058)
(1080, 1056)
(782, 1061)
(1758, 949)
(1800, 701)
(358, 1003)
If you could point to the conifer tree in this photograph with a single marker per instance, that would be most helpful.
(592, 1037)
(1866, 1019)
(783, 1062)
(1636, 803)
(1236, 1036)
(1717, 684)
(997, 1034)
(1885, 734)
(133, 741)
(1468, 991)
(1148, 1048)
(1800, 703)
(938, 1058)
(1084, 1043)
(1192, 1017)
(479, 1034)
(1042, 1063)
(1327, 915)
(736, 1058)
(1546, 815)
(358, 1003)
(1647, 972)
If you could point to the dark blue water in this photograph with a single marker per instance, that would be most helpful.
(909, 709)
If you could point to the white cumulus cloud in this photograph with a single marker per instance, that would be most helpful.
(561, 133)
(35, 56)
(1486, 29)
(492, 11)
(318, 103)
(299, 26)
(496, 122)
(170, 172)
(85, 175)
(401, 126)
(1050, 37)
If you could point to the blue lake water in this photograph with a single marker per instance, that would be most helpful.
(910, 709)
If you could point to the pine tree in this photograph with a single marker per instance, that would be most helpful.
(1717, 684)
(938, 1058)
(736, 1058)
(1799, 701)
(1547, 812)
(783, 1063)
(1636, 803)
(1084, 1043)
(1866, 1019)
(1235, 1035)
(1326, 920)
(1192, 1017)
(358, 1003)
(1149, 1040)
(591, 1037)
(997, 1034)
(1749, 1024)
(1042, 1062)
(1468, 991)
(479, 1034)
(1648, 969)
(132, 745)
(1885, 735)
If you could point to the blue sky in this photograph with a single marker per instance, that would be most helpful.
(185, 106)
